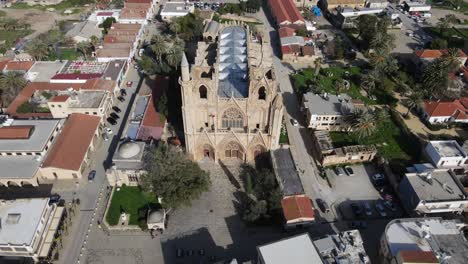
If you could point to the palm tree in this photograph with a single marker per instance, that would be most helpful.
(340, 86)
(318, 63)
(450, 59)
(363, 123)
(94, 41)
(369, 81)
(11, 83)
(158, 46)
(413, 101)
(83, 48)
(174, 56)
(38, 49)
(175, 27)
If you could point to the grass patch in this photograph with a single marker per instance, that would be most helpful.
(2, 13)
(10, 37)
(454, 36)
(390, 140)
(130, 200)
(65, 54)
(66, 4)
(284, 139)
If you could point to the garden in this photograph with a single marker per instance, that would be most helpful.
(133, 201)
(455, 37)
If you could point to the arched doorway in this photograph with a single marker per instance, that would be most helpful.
(262, 93)
(12, 184)
(208, 152)
(234, 150)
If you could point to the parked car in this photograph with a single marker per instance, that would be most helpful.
(123, 92)
(111, 121)
(108, 130)
(129, 84)
(380, 209)
(54, 198)
(121, 99)
(349, 171)
(116, 109)
(180, 253)
(339, 171)
(368, 208)
(378, 179)
(358, 225)
(323, 205)
(114, 116)
(105, 137)
(294, 122)
(357, 210)
(91, 175)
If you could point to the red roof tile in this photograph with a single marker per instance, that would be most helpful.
(308, 50)
(76, 76)
(99, 84)
(15, 132)
(3, 63)
(104, 13)
(434, 54)
(69, 150)
(60, 98)
(456, 108)
(417, 256)
(19, 65)
(285, 11)
(296, 207)
(286, 32)
(139, 1)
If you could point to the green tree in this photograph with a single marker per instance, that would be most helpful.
(174, 56)
(11, 83)
(146, 65)
(369, 81)
(256, 210)
(107, 23)
(340, 86)
(94, 41)
(172, 176)
(174, 27)
(158, 46)
(83, 47)
(413, 101)
(38, 49)
(435, 78)
(162, 105)
(450, 59)
(438, 43)
(363, 123)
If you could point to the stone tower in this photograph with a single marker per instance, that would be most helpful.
(231, 105)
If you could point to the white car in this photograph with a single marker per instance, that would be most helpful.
(108, 130)
(294, 122)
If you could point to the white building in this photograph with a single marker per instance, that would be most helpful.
(327, 111)
(298, 250)
(423, 240)
(432, 191)
(28, 228)
(100, 15)
(446, 154)
(175, 9)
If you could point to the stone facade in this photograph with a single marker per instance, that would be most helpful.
(232, 107)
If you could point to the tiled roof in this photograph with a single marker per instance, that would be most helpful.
(290, 49)
(19, 65)
(113, 53)
(286, 32)
(99, 84)
(60, 98)
(29, 90)
(456, 108)
(297, 206)
(104, 13)
(139, 1)
(434, 54)
(308, 51)
(15, 132)
(417, 256)
(125, 26)
(76, 76)
(69, 150)
(3, 63)
(119, 39)
(134, 13)
(285, 11)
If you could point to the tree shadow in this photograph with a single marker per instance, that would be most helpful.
(230, 176)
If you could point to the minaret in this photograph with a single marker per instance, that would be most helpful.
(184, 65)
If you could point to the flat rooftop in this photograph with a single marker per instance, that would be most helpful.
(328, 104)
(84, 67)
(352, 252)
(43, 71)
(20, 219)
(441, 186)
(113, 70)
(232, 59)
(19, 167)
(87, 99)
(43, 130)
(428, 234)
(297, 250)
(448, 148)
(175, 7)
(136, 117)
(285, 170)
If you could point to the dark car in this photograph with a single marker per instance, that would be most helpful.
(111, 121)
(120, 98)
(358, 225)
(54, 198)
(114, 116)
(323, 205)
(349, 170)
(123, 92)
(180, 253)
(91, 175)
(357, 210)
(116, 109)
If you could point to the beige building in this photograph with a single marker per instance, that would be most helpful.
(329, 155)
(69, 155)
(231, 104)
(127, 164)
(97, 103)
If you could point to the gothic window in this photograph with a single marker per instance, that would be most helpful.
(232, 118)
(203, 92)
(262, 93)
(234, 150)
